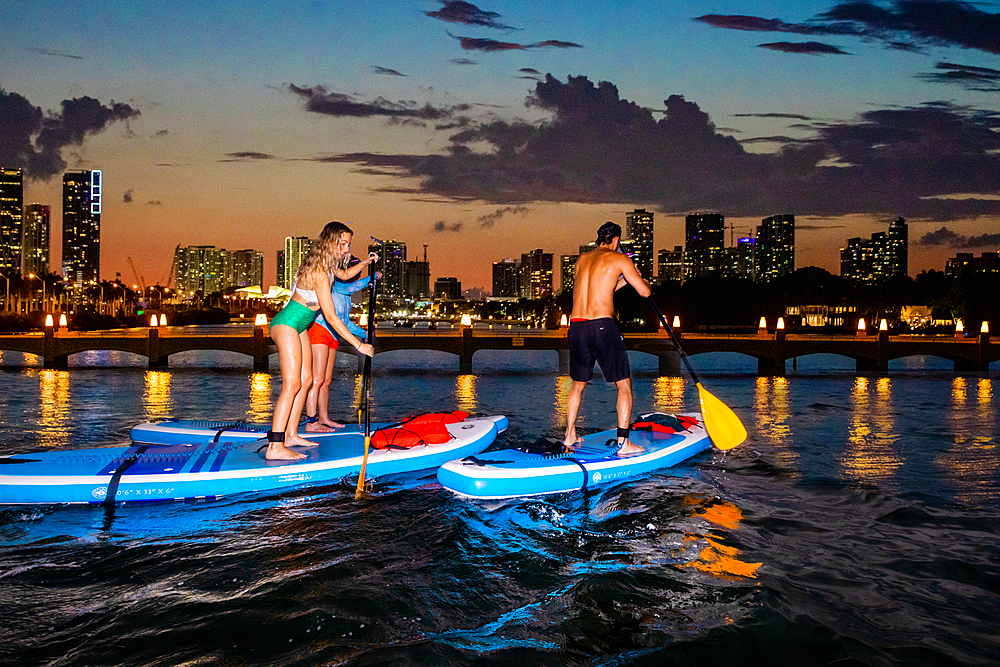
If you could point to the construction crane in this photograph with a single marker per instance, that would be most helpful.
(139, 279)
(173, 267)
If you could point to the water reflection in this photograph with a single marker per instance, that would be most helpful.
(715, 557)
(156, 399)
(972, 462)
(260, 398)
(668, 394)
(871, 454)
(465, 393)
(772, 414)
(558, 419)
(53, 390)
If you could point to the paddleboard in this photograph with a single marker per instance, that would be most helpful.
(159, 472)
(525, 471)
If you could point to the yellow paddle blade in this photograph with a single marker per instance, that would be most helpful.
(723, 426)
(364, 464)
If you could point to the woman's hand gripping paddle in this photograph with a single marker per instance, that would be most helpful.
(366, 376)
(723, 426)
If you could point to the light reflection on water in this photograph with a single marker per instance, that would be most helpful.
(772, 418)
(871, 454)
(972, 463)
(668, 394)
(156, 398)
(53, 389)
(465, 393)
(558, 420)
(260, 398)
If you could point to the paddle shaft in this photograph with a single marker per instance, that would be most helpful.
(673, 338)
(366, 376)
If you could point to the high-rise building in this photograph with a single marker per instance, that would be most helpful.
(881, 256)
(392, 264)
(244, 268)
(11, 206)
(505, 278)
(567, 272)
(775, 247)
(746, 258)
(81, 226)
(279, 278)
(417, 279)
(35, 239)
(965, 263)
(199, 268)
(670, 264)
(447, 288)
(704, 244)
(639, 230)
(536, 274)
(296, 249)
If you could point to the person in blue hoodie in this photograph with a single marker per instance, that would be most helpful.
(324, 353)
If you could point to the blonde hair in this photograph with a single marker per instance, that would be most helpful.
(324, 256)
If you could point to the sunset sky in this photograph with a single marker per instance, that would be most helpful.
(490, 129)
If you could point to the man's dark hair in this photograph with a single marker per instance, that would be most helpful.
(608, 231)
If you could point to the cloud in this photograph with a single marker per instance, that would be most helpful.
(320, 100)
(596, 147)
(386, 71)
(154, 202)
(462, 61)
(529, 70)
(442, 226)
(127, 197)
(899, 24)
(490, 45)
(946, 237)
(491, 219)
(58, 54)
(34, 140)
(456, 11)
(247, 156)
(813, 48)
(983, 79)
(161, 133)
(790, 116)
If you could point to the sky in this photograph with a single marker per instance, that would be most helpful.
(483, 131)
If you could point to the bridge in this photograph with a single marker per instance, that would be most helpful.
(871, 353)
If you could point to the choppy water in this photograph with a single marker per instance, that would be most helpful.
(859, 524)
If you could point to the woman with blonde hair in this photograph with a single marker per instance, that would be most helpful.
(326, 260)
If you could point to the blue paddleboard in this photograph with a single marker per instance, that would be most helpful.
(505, 473)
(143, 472)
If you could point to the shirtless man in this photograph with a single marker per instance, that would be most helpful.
(593, 334)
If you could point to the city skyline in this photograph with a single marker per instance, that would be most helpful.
(507, 125)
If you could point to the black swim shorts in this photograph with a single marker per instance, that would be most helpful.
(597, 340)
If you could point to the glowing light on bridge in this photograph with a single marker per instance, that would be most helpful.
(781, 323)
(154, 321)
(62, 319)
(861, 324)
(883, 325)
(48, 321)
(466, 320)
(985, 328)
(260, 320)
(677, 321)
(959, 327)
(763, 323)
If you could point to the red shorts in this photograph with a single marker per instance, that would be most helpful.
(320, 335)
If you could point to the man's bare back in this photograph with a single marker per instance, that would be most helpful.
(599, 273)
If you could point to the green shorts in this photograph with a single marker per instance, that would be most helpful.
(295, 315)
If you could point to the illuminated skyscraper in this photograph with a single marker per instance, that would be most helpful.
(670, 264)
(704, 244)
(567, 272)
(775, 247)
(199, 267)
(81, 226)
(505, 278)
(296, 248)
(244, 268)
(639, 230)
(11, 205)
(35, 240)
(536, 274)
(392, 264)
(884, 255)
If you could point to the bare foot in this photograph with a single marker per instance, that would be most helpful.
(571, 441)
(277, 451)
(317, 427)
(296, 441)
(628, 449)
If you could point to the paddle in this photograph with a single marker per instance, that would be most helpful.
(722, 424)
(366, 376)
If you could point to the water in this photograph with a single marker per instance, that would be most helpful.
(859, 525)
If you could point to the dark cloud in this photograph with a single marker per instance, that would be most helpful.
(127, 197)
(490, 45)
(320, 100)
(899, 24)
(386, 71)
(529, 70)
(813, 228)
(597, 147)
(462, 61)
(812, 48)
(946, 237)
(790, 116)
(247, 156)
(154, 202)
(442, 226)
(34, 141)
(491, 219)
(162, 133)
(456, 11)
(982, 79)
(58, 54)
